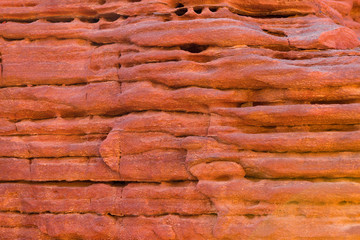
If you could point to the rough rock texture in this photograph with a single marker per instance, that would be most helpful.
(164, 119)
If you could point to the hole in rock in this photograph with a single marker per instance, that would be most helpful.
(198, 10)
(213, 9)
(111, 17)
(58, 20)
(181, 11)
(250, 216)
(90, 20)
(134, 0)
(194, 48)
(102, 2)
(275, 33)
(179, 5)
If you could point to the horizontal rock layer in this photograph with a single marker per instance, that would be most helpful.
(163, 119)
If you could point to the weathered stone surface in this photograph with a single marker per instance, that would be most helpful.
(91, 226)
(50, 146)
(296, 142)
(274, 227)
(294, 165)
(130, 200)
(217, 170)
(214, 119)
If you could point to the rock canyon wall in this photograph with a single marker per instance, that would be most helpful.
(164, 119)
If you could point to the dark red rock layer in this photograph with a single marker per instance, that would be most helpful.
(214, 119)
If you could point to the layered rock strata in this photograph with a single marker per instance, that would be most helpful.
(214, 119)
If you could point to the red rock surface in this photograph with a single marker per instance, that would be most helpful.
(213, 119)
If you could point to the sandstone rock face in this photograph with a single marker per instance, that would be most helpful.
(164, 119)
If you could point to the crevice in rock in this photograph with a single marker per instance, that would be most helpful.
(254, 178)
(252, 216)
(283, 103)
(1, 67)
(300, 152)
(150, 61)
(50, 212)
(30, 166)
(110, 17)
(347, 203)
(12, 39)
(260, 129)
(97, 44)
(277, 47)
(334, 102)
(265, 15)
(59, 19)
(275, 33)
(86, 183)
(194, 48)
(18, 20)
(89, 20)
